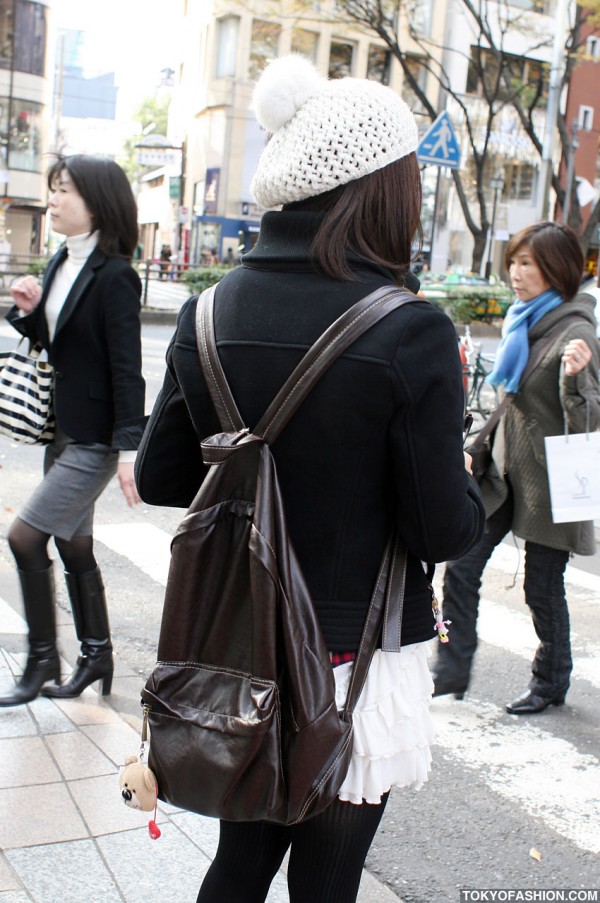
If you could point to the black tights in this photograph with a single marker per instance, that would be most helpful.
(30, 549)
(326, 857)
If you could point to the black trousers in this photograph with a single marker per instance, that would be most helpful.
(544, 594)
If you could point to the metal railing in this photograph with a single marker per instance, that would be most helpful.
(14, 266)
(155, 270)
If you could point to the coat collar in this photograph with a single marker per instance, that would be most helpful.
(582, 305)
(86, 275)
(284, 241)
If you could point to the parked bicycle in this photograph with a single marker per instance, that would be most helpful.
(480, 397)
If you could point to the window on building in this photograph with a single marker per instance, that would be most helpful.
(378, 64)
(305, 42)
(585, 118)
(263, 47)
(538, 6)
(30, 46)
(592, 46)
(227, 37)
(341, 55)
(6, 30)
(522, 77)
(521, 182)
(24, 145)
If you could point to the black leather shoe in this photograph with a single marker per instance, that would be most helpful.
(529, 703)
(40, 667)
(89, 669)
(446, 687)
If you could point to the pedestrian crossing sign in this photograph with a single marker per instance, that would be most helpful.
(439, 146)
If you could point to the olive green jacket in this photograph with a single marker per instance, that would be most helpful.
(539, 410)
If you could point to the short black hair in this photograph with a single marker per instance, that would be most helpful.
(107, 194)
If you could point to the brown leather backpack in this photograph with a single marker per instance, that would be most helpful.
(241, 703)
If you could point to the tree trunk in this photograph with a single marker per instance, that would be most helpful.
(479, 238)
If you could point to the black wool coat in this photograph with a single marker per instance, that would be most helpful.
(96, 351)
(378, 439)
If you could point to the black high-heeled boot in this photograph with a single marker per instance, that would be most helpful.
(43, 663)
(90, 614)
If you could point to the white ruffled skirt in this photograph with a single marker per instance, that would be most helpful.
(393, 728)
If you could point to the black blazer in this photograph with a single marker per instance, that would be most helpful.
(378, 438)
(96, 351)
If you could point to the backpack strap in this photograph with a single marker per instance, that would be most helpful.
(385, 609)
(384, 617)
(336, 338)
(225, 406)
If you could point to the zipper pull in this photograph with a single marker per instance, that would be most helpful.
(144, 735)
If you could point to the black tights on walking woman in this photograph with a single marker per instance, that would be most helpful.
(327, 854)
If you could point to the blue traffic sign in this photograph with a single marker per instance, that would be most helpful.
(438, 145)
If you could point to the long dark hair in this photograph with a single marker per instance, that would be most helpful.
(108, 196)
(557, 252)
(377, 217)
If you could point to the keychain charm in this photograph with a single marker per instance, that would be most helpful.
(440, 625)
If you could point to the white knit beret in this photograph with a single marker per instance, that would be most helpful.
(324, 133)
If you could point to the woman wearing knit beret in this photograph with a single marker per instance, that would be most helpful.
(87, 315)
(377, 442)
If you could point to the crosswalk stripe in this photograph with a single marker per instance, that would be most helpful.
(146, 546)
(499, 626)
(10, 621)
(508, 558)
(544, 774)
(143, 542)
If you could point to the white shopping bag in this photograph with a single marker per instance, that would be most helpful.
(574, 475)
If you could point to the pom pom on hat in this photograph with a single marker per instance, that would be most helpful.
(324, 133)
(285, 86)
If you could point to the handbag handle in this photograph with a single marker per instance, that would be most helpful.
(490, 424)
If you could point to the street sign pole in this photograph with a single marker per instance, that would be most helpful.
(436, 204)
(438, 147)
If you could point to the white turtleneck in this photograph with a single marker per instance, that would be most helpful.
(79, 247)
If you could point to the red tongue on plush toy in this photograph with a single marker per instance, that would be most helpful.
(153, 829)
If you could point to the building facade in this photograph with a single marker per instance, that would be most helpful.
(484, 74)
(582, 116)
(226, 46)
(25, 93)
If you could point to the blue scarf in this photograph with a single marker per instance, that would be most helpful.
(513, 350)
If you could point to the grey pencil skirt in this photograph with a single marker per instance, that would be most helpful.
(75, 475)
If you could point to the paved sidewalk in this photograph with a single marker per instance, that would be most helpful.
(65, 834)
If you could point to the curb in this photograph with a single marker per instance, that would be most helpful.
(480, 329)
(159, 316)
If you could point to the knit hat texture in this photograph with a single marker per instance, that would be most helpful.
(324, 132)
